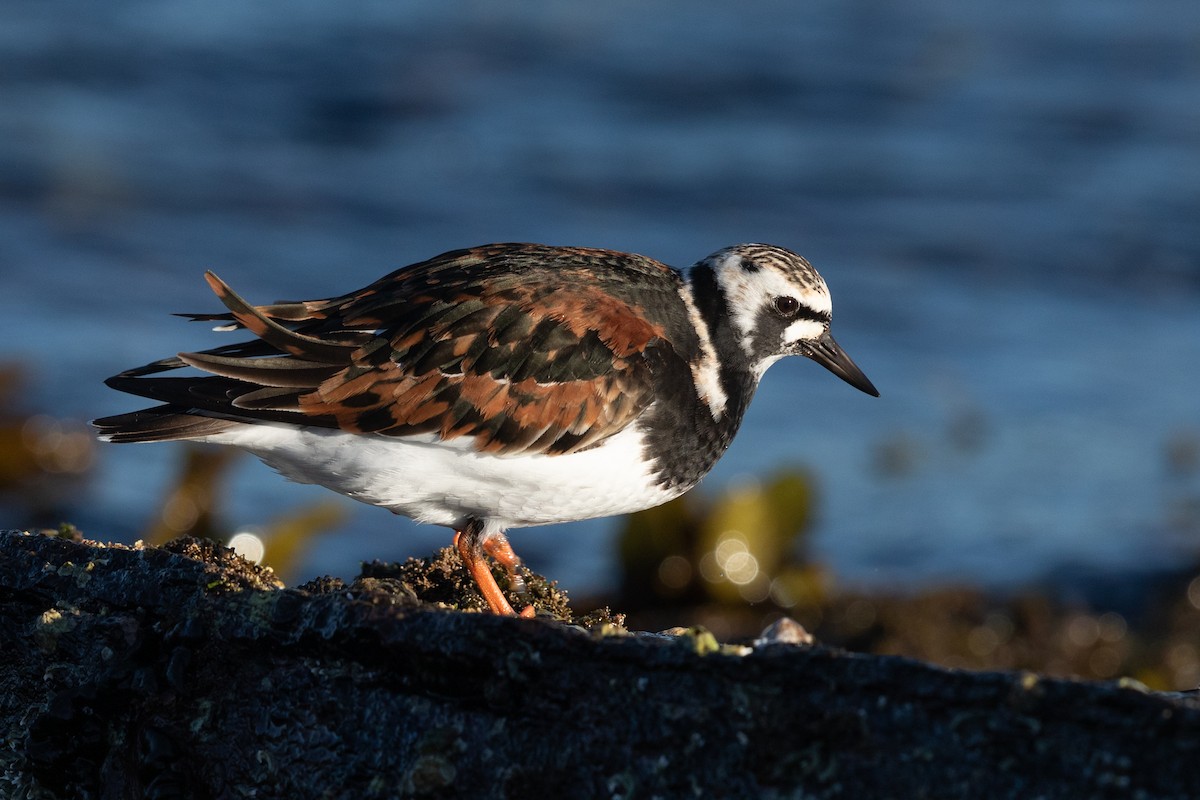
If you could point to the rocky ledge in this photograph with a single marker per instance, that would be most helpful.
(185, 671)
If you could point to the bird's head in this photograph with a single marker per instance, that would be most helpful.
(779, 306)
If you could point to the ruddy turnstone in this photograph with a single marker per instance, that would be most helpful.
(499, 387)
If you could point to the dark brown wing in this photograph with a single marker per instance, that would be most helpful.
(525, 348)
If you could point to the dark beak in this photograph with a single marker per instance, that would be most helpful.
(830, 355)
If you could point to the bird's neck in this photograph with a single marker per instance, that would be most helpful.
(734, 374)
(703, 391)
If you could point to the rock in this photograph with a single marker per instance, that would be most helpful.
(186, 671)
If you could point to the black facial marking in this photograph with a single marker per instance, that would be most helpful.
(804, 312)
(748, 265)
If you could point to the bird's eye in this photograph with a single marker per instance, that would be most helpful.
(787, 306)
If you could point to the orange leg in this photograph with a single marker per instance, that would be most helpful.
(498, 548)
(471, 552)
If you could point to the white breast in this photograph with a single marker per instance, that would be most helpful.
(447, 482)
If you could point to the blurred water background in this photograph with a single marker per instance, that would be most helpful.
(1004, 198)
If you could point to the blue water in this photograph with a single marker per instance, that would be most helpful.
(1004, 198)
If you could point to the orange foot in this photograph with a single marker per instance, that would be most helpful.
(471, 551)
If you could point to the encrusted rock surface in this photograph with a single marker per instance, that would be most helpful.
(185, 671)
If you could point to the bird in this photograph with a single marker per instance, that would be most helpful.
(498, 387)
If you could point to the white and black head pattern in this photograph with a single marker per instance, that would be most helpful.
(777, 302)
(762, 303)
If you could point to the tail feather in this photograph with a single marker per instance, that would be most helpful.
(255, 381)
(300, 345)
(283, 311)
(165, 423)
(291, 372)
(250, 349)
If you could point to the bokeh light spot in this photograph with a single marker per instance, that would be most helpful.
(248, 545)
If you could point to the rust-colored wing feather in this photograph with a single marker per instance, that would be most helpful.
(523, 348)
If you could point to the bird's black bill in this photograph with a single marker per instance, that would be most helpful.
(830, 355)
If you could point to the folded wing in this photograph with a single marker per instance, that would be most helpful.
(518, 347)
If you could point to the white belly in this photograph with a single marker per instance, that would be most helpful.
(445, 483)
